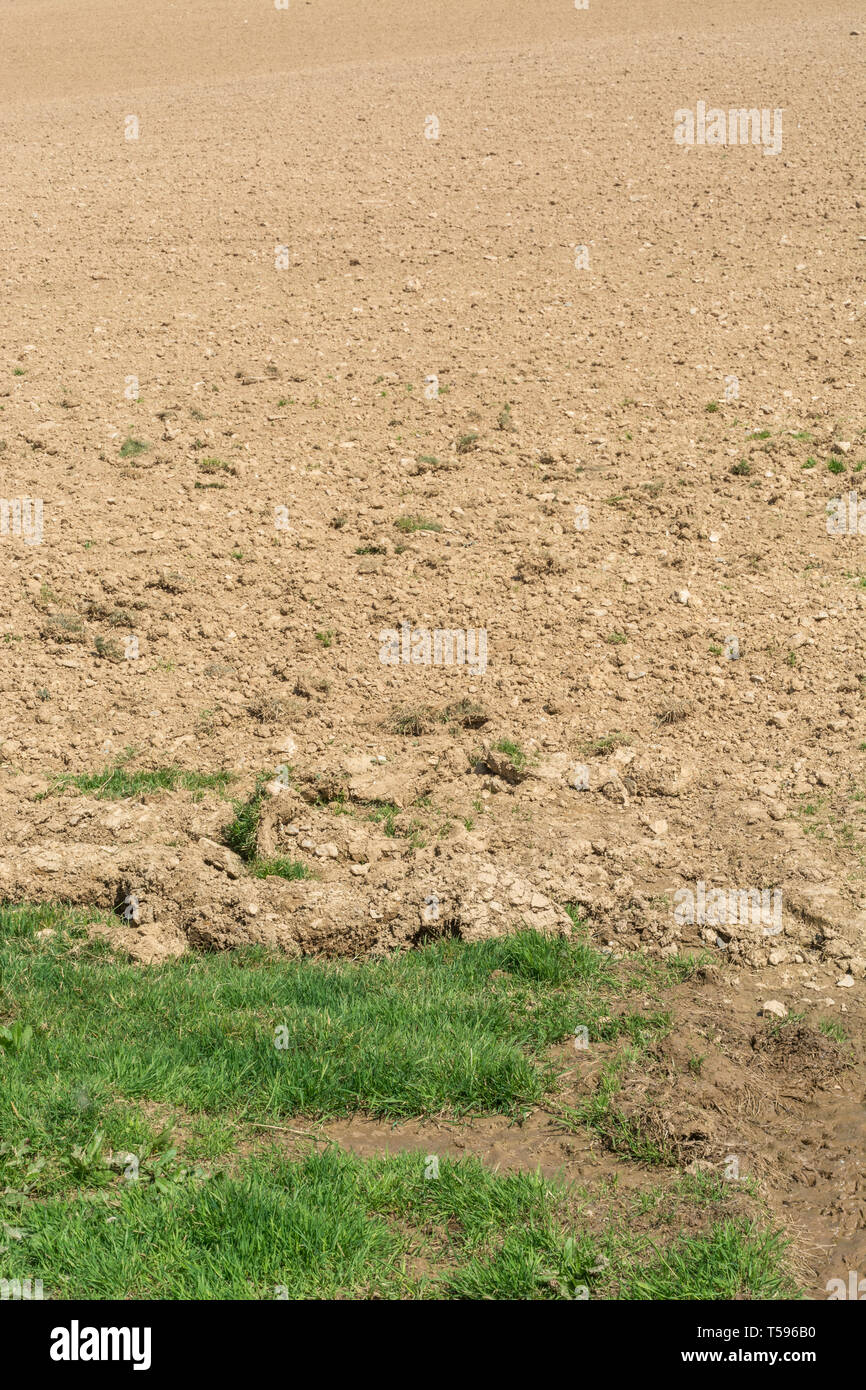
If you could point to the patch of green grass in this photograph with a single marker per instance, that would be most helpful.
(334, 1226)
(108, 1208)
(385, 813)
(513, 751)
(831, 1029)
(599, 747)
(810, 463)
(326, 638)
(108, 649)
(406, 1034)
(279, 866)
(741, 469)
(836, 466)
(711, 407)
(116, 1198)
(621, 1133)
(117, 782)
(242, 831)
(615, 639)
(733, 1260)
(131, 448)
(241, 835)
(408, 524)
(466, 442)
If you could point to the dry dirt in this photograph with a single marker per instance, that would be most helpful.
(317, 319)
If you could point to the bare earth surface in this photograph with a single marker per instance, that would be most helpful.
(332, 283)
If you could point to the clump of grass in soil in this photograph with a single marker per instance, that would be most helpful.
(469, 714)
(108, 649)
(408, 524)
(241, 835)
(673, 711)
(131, 448)
(212, 465)
(411, 722)
(64, 627)
(116, 782)
(513, 752)
(599, 747)
(466, 442)
(416, 720)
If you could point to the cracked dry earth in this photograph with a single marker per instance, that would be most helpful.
(219, 342)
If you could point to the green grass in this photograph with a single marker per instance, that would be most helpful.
(831, 1029)
(385, 813)
(279, 866)
(333, 1226)
(513, 751)
(131, 448)
(104, 1200)
(622, 1134)
(599, 747)
(466, 442)
(734, 1259)
(241, 835)
(408, 524)
(401, 1035)
(116, 782)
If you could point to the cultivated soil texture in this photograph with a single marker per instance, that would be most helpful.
(330, 327)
